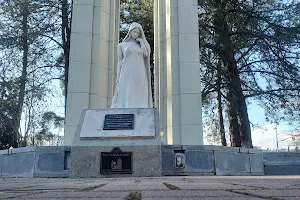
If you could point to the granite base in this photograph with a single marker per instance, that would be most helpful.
(85, 161)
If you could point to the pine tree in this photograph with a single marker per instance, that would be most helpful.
(29, 56)
(257, 43)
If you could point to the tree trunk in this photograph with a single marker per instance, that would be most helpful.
(237, 100)
(223, 42)
(237, 109)
(244, 122)
(220, 108)
(237, 97)
(66, 37)
(234, 127)
(23, 78)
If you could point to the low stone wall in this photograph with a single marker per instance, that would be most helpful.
(54, 161)
(282, 163)
(50, 161)
(212, 160)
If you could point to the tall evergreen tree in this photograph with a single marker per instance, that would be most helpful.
(258, 45)
(28, 54)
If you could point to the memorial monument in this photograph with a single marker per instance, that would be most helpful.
(109, 87)
(93, 66)
(121, 141)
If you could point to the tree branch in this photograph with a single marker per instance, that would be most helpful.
(272, 92)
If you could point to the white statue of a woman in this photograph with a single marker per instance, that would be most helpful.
(133, 85)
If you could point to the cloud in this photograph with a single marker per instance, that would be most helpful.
(265, 137)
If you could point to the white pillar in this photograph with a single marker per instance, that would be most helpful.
(92, 52)
(179, 79)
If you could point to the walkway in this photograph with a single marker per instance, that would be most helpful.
(180, 187)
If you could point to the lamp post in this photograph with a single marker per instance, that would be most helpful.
(276, 136)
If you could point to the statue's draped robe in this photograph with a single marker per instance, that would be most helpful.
(133, 88)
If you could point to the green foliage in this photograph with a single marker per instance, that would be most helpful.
(140, 11)
(30, 35)
(49, 122)
(49, 117)
(8, 101)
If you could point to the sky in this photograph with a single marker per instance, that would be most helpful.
(265, 137)
(264, 133)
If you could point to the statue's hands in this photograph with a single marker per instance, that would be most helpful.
(139, 40)
(142, 44)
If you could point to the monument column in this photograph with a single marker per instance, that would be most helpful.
(177, 55)
(94, 36)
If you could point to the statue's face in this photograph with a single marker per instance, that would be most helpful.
(135, 33)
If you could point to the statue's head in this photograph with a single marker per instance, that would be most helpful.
(134, 32)
(135, 25)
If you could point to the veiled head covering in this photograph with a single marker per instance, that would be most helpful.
(142, 35)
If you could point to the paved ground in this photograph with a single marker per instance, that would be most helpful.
(180, 187)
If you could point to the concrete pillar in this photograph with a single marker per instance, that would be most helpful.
(179, 73)
(93, 40)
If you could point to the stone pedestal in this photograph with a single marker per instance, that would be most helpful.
(90, 140)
